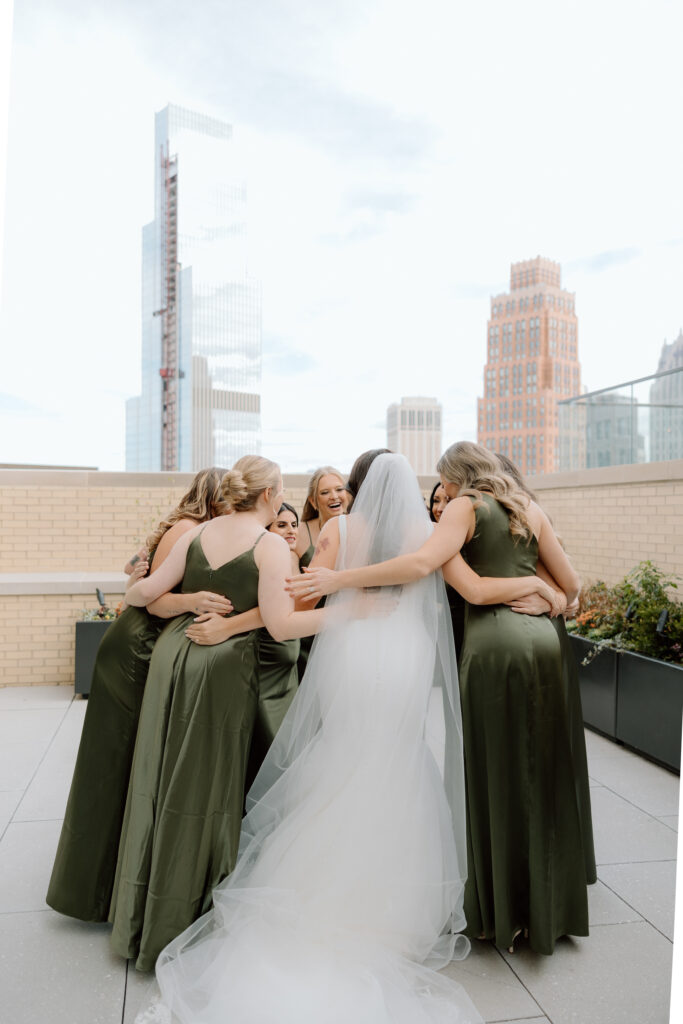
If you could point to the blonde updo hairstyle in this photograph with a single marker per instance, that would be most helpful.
(475, 470)
(203, 501)
(248, 478)
(310, 508)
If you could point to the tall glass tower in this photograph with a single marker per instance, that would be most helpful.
(201, 311)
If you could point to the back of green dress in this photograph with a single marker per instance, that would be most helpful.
(83, 871)
(184, 808)
(525, 853)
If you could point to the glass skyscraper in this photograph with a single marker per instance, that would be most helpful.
(201, 312)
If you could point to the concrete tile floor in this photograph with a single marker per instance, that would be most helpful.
(60, 971)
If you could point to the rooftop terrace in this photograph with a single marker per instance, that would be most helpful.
(58, 971)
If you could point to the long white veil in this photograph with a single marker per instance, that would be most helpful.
(352, 859)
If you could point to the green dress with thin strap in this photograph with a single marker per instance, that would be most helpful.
(306, 642)
(186, 796)
(278, 681)
(526, 862)
(83, 873)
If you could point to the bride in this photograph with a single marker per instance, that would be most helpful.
(348, 889)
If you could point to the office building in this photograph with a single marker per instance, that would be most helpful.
(532, 361)
(414, 430)
(201, 311)
(666, 404)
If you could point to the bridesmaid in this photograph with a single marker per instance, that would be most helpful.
(186, 796)
(83, 872)
(438, 500)
(535, 605)
(525, 846)
(326, 499)
(278, 679)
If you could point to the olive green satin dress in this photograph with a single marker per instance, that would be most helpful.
(83, 872)
(184, 808)
(526, 862)
(456, 606)
(577, 744)
(278, 681)
(306, 642)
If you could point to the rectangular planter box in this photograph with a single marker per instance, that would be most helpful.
(650, 706)
(88, 637)
(598, 683)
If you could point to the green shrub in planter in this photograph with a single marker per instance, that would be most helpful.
(635, 615)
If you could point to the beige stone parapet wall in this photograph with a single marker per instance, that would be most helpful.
(616, 516)
(64, 532)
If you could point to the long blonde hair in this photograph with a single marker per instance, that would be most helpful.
(474, 469)
(247, 479)
(310, 508)
(203, 501)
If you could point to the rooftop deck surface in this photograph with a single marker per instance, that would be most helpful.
(57, 971)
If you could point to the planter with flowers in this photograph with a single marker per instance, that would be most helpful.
(90, 629)
(635, 629)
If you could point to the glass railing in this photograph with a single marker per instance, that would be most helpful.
(640, 421)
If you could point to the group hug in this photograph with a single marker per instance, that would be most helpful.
(321, 756)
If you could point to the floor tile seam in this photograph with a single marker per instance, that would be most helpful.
(674, 830)
(621, 900)
(643, 920)
(620, 863)
(125, 992)
(509, 1020)
(38, 766)
(35, 910)
(650, 814)
(532, 997)
(32, 821)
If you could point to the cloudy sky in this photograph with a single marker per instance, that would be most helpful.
(399, 156)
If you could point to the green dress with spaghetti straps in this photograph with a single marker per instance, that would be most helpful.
(186, 796)
(83, 872)
(306, 641)
(527, 867)
(278, 681)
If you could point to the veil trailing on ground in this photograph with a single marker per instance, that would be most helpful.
(348, 886)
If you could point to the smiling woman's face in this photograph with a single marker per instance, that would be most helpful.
(286, 525)
(330, 497)
(439, 502)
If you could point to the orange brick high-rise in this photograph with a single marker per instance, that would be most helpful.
(532, 361)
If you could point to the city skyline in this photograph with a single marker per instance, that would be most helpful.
(390, 183)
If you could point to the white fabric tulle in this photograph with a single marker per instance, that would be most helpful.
(349, 882)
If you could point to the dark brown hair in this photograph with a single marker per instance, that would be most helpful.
(359, 471)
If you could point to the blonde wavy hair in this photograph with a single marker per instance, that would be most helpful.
(310, 508)
(475, 470)
(247, 479)
(203, 501)
(512, 470)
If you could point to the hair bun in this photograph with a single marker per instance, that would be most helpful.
(234, 486)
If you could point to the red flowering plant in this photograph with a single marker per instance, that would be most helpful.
(638, 614)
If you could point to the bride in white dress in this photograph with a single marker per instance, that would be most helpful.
(348, 889)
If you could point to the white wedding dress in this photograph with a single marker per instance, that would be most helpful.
(348, 888)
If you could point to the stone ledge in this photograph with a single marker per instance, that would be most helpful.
(17, 584)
